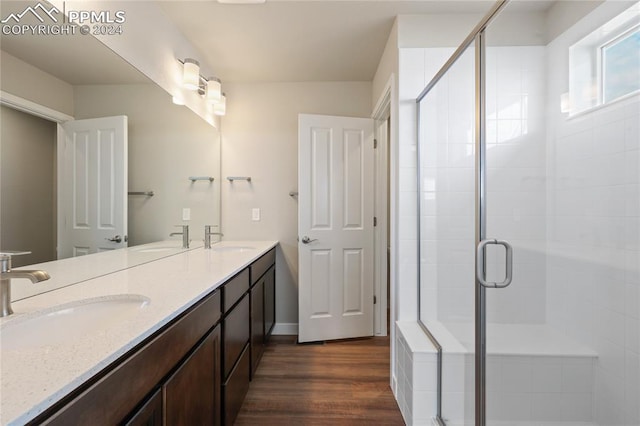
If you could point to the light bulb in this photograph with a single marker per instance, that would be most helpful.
(191, 74)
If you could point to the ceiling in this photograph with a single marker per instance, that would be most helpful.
(297, 40)
(304, 40)
(280, 40)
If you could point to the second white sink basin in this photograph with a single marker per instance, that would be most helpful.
(66, 323)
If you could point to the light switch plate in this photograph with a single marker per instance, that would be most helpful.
(255, 214)
(186, 213)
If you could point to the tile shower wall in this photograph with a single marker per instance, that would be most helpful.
(516, 181)
(593, 273)
(416, 375)
(594, 252)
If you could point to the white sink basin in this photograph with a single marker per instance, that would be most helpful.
(232, 248)
(65, 323)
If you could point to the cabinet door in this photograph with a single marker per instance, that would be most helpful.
(189, 395)
(217, 374)
(150, 414)
(257, 325)
(236, 333)
(236, 388)
(269, 302)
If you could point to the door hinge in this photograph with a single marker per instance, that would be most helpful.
(375, 221)
(375, 300)
(375, 143)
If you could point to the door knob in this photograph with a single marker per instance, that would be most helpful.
(307, 240)
(116, 239)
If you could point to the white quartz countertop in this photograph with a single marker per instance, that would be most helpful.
(34, 378)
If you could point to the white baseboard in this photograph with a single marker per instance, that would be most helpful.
(285, 329)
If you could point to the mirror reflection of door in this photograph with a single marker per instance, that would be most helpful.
(92, 193)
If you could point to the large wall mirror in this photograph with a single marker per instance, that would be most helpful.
(78, 76)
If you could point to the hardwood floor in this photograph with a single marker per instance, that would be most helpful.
(337, 383)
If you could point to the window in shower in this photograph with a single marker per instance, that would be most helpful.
(604, 66)
(621, 66)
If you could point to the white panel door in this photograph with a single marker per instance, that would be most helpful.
(92, 193)
(335, 227)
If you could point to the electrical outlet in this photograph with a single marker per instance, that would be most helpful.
(186, 213)
(255, 214)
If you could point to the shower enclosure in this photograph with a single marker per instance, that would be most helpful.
(529, 216)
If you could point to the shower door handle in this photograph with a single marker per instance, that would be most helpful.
(480, 273)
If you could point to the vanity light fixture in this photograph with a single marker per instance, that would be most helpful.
(210, 89)
(191, 74)
(221, 107)
(214, 90)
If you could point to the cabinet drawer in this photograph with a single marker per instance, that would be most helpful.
(216, 306)
(236, 334)
(235, 288)
(236, 388)
(260, 266)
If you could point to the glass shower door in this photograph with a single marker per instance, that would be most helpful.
(511, 258)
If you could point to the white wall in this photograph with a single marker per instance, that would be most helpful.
(260, 139)
(387, 67)
(26, 81)
(435, 30)
(167, 144)
(27, 186)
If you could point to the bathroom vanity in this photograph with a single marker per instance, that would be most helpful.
(201, 320)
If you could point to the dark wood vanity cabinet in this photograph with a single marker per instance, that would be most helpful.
(269, 302)
(257, 324)
(191, 395)
(262, 305)
(194, 371)
(150, 414)
(127, 391)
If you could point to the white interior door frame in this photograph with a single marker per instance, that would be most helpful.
(381, 116)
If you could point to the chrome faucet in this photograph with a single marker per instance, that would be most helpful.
(185, 235)
(208, 234)
(5, 281)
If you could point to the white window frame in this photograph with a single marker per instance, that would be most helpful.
(620, 36)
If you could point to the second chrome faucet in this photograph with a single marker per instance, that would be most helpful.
(185, 235)
(208, 234)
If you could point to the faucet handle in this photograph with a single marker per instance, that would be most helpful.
(13, 253)
(5, 258)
